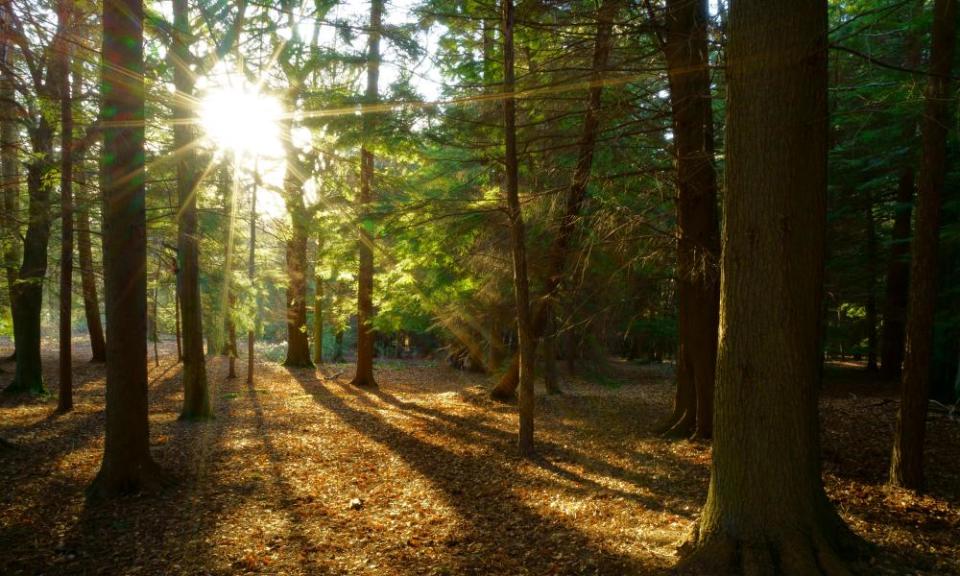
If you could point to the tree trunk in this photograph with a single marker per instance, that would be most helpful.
(576, 194)
(906, 465)
(252, 271)
(9, 157)
(766, 510)
(318, 320)
(871, 309)
(127, 466)
(27, 299)
(88, 279)
(65, 394)
(176, 318)
(898, 266)
(196, 396)
(231, 338)
(698, 245)
(152, 319)
(229, 298)
(365, 336)
(511, 189)
(298, 347)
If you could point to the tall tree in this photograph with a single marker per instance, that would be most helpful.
(511, 189)
(318, 307)
(9, 154)
(298, 345)
(906, 463)
(65, 393)
(127, 465)
(27, 297)
(196, 396)
(575, 194)
(88, 278)
(365, 335)
(698, 242)
(766, 510)
(898, 264)
(252, 270)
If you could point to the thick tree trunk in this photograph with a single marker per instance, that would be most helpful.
(521, 286)
(906, 465)
(65, 393)
(88, 278)
(27, 299)
(766, 510)
(576, 194)
(698, 244)
(127, 465)
(298, 346)
(365, 336)
(196, 396)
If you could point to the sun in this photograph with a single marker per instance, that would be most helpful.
(242, 120)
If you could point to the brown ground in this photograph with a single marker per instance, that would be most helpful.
(301, 474)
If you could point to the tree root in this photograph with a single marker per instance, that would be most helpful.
(145, 478)
(363, 382)
(795, 554)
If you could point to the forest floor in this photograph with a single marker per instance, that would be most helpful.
(302, 474)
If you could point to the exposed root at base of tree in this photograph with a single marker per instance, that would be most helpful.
(363, 382)
(679, 425)
(144, 478)
(794, 555)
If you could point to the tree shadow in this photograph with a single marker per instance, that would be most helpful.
(495, 520)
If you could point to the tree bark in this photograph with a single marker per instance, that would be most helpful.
(698, 245)
(27, 302)
(318, 320)
(196, 396)
(766, 510)
(65, 390)
(298, 347)
(365, 336)
(127, 466)
(252, 271)
(576, 194)
(898, 267)
(521, 286)
(229, 298)
(906, 465)
(871, 308)
(88, 279)
(9, 152)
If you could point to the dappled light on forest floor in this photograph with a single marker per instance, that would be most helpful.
(301, 473)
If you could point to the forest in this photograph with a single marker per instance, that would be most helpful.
(480, 287)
